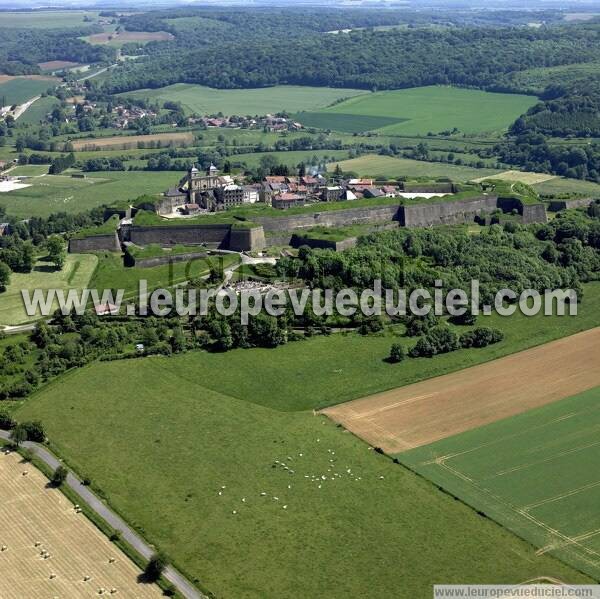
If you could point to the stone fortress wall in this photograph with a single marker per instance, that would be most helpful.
(240, 238)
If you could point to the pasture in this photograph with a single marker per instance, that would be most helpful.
(36, 518)
(48, 19)
(421, 110)
(437, 408)
(374, 165)
(205, 100)
(56, 193)
(534, 473)
(246, 499)
(17, 90)
(130, 142)
(75, 274)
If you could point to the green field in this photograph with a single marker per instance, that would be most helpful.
(291, 159)
(75, 274)
(63, 193)
(562, 185)
(47, 19)
(205, 100)
(38, 110)
(21, 89)
(534, 473)
(187, 465)
(421, 110)
(28, 170)
(373, 165)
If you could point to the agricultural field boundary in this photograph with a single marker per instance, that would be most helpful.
(532, 473)
(425, 412)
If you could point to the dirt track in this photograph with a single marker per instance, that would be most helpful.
(425, 412)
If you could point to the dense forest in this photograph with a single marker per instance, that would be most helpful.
(22, 49)
(478, 57)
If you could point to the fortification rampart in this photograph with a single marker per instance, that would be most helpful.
(95, 243)
(446, 213)
(331, 218)
(280, 229)
(558, 205)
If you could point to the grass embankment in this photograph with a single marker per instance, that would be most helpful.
(112, 274)
(109, 226)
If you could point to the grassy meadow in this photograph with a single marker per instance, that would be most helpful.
(63, 193)
(533, 473)
(421, 110)
(201, 474)
(38, 110)
(17, 90)
(75, 274)
(205, 100)
(389, 167)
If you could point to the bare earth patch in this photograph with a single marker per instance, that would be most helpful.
(130, 36)
(36, 519)
(520, 177)
(53, 65)
(127, 142)
(437, 408)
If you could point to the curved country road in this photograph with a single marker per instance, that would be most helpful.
(172, 575)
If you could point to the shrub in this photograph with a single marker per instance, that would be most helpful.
(481, 337)
(419, 325)
(397, 353)
(155, 566)
(59, 476)
(7, 422)
(437, 341)
(35, 431)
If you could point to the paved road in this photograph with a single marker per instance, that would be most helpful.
(172, 575)
(23, 107)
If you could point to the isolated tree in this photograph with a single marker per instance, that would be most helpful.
(397, 353)
(18, 435)
(56, 251)
(59, 476)
(156, 566)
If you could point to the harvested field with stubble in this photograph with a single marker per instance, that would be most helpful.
(130, 142)
(35, 519)
(419, 414)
